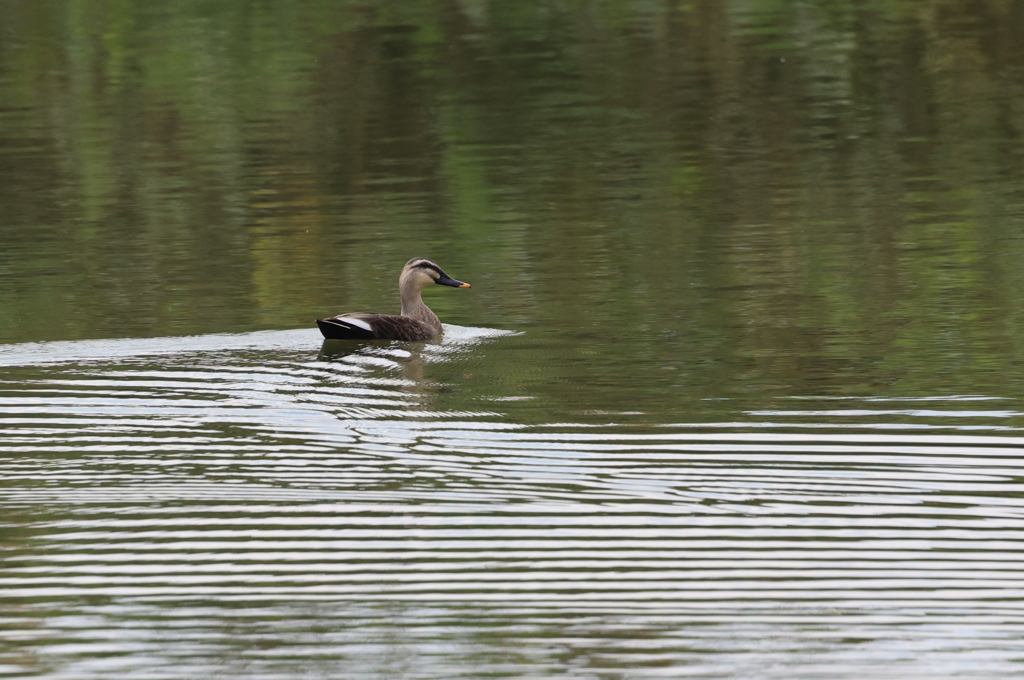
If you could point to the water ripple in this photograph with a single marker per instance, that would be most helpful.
(177, 508)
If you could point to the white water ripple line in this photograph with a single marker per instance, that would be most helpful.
(183, 510)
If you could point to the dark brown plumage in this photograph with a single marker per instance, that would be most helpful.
(416, 321)
(382, 326)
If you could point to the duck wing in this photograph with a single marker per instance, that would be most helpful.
(374, 326)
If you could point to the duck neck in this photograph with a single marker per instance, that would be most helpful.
(413, 306)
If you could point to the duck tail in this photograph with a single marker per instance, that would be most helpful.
(339, 329)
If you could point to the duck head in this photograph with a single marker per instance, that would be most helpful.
(420, 272)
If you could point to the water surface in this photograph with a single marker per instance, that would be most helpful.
(251, 504)
(736, 393)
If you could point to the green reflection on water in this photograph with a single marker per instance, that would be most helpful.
(678, 198)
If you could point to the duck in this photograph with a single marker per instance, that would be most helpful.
(416, 322)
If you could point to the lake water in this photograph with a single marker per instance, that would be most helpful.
(738, 390)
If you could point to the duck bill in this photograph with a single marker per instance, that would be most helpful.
(446, 280)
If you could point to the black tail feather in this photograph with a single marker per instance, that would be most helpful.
(337, 329)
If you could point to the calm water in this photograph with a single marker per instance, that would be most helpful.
(737, 391)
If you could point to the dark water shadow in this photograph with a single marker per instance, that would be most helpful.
(334, 350)
(406, 357)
